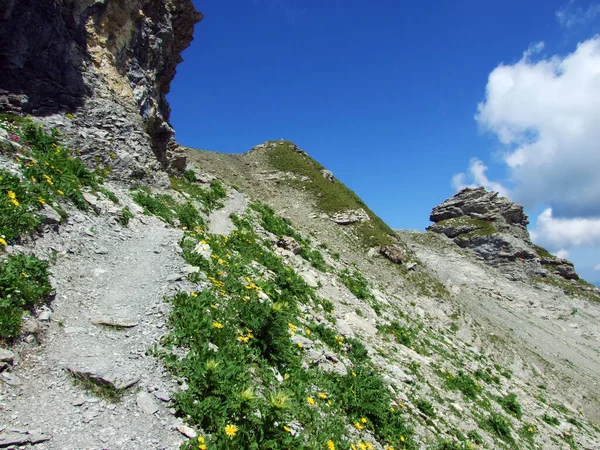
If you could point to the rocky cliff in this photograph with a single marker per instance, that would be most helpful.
(496, 229)
(98, 71)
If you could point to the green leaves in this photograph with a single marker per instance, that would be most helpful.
(23, 284)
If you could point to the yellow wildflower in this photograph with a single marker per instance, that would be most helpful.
(286, 428)
(358, 426)
(217, 325)
(2, 241)
(362, 446)
(369, 446)
(202, 447)
(60, 192)
(401, 438)
(292, 327)
(11, 195)
(200, 440)
(387, 447)
(41, 200)
(353, 374)
(363, 420)
(322, 395)
(308, 331)
(353, 447)
(300, 345)
(231, 430)
(48, 180)
(310, 400)
(193, 294)
(330, 445)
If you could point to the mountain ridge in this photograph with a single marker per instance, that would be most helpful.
(156, 296)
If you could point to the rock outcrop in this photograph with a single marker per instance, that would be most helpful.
(496, 229)
(99, 70)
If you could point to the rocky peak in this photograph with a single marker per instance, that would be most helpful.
(495, 228)
(99, 71)
(479, 204)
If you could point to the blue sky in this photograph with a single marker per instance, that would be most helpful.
(385, 94)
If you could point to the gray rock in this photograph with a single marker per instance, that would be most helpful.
(7, 356)
(350, 216)
(163, 396)
(146, 403)
(101, 251)
(328, 175)
(186, 431)
(290, 244)
(394, 253)
(49, 215)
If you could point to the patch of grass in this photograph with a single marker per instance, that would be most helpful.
(510, 404)
(425, 407)
(463, 383)
(165, 207)
(329, 197)
(550, 420)
(50, 175)
(282, 227)
(357, 284)
(577, 288)
(486, 376)
(499, 425)
(105, 391)
(402, 334)
(210, 198)
(24, 283)
(125, 216)
(543, 253)
(482, 227)
(527, 432)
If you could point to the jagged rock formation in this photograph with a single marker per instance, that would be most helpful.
(496, 229)
(99, 71)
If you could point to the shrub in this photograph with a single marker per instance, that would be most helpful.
(23, 284)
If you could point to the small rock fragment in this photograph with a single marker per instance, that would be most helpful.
(186, 431)
(146, 403)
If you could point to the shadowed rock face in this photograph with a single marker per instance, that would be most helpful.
(496, 229)
(108, 63)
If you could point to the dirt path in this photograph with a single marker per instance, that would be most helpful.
(219, 221)
(109, 274)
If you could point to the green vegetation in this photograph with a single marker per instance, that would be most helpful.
(330, 197)
(103, 390)
(511, 405)
(500, 425)
(542, 252)
(425, 407)
(125, 216)
(208, 198)
(550, 420)
(165, 207)
(281, 227)
(402, 334)
(357, 284)
(23, 285)
(51, 175)
(483, 228)
(577, 288)
(252, 391)
(463, 383)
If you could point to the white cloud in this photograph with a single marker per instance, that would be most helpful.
(564, 233)
(597, 267)
(477, 174)
(562, 253)
(570, 15)
(546, 113)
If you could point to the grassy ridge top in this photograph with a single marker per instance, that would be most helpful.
(330, 197)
